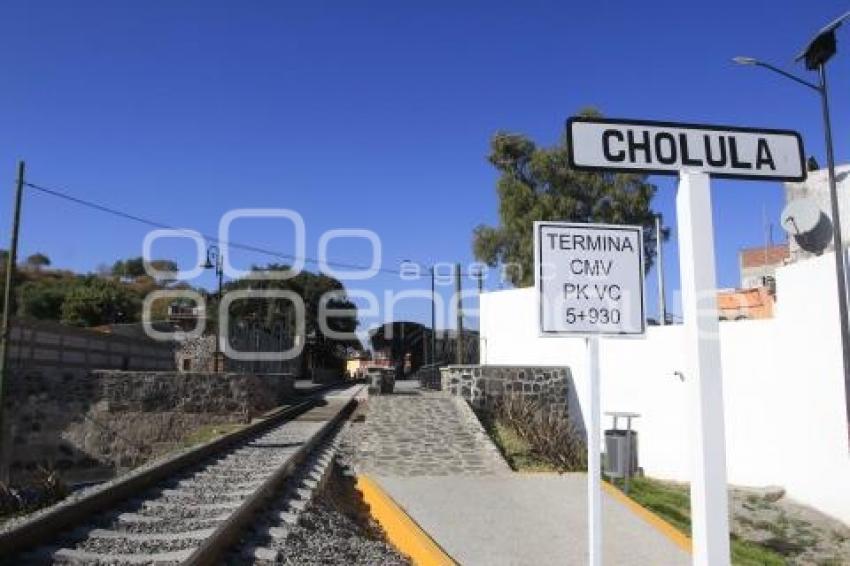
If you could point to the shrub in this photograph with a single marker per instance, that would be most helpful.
(44, 489)
(550, 434)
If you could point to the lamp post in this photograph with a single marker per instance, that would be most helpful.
(478, 275)
(433, 356)
(215, 261)
(659, 266)
(815, 55)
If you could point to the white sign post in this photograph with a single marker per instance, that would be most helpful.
(709, 506)
(694, 152)
(589, 279)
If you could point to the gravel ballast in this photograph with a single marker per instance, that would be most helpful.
(337, 529)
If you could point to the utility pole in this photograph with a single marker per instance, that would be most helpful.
(433, 318)
(8, 306)
(659, 266)
(459, 311)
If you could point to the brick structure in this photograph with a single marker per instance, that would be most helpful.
(197, 354)
(738, 304)
(758, 265)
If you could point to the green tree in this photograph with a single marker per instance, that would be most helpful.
(42, 299)
(38, 260)
(538, 184)
(313, 289)
(95, 301)
(134, 267)
(130, 267)
(401, 338)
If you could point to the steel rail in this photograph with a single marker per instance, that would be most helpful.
(227, 535)
(49, 525)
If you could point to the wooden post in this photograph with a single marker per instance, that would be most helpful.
(8, 307)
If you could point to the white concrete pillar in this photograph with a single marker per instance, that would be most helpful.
(709, 504)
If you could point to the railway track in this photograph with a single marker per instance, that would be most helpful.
(195, 507)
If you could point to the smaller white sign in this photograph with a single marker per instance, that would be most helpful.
(589, 278)
(667, 148)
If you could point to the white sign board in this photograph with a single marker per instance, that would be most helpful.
(667, 148)
(589, 278)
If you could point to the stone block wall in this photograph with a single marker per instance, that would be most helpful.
(550, 387)
(90, 424)
(197, 355)
(58, 347)
(212, 393)
(429, 377)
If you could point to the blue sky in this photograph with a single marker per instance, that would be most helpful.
(370, 115)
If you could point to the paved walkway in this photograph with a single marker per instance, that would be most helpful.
(527, 519)
(429, 453)
(424, 433)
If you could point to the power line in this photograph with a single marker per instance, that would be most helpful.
(245, 247)
(162, 225)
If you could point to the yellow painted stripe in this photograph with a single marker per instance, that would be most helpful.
(402, 531)
(678, 538)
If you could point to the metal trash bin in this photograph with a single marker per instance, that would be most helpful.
(388, 381)
(381, 380)
(620, 454)
(621, 449)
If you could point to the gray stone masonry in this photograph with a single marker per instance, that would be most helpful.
(49, 345)
(429, 377)
(420, 433)
(87, 425)
(480, 385)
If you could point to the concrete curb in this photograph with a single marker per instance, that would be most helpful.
(402, 531)
(468, 414)
(673, 534)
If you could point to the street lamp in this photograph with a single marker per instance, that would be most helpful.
(216, 261)
(816, 54)
(433, 356)
(478, 275)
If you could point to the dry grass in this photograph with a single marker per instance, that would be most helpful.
(44, 488)
(210, 432)
(534, 438)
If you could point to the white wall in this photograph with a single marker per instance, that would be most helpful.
(783, 386)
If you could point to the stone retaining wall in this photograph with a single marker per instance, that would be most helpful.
(90, 424)
(429, 377)
(53, 346)
(551, 387)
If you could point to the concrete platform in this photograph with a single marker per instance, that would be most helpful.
(307, 387)
(428, 452)
(526, 519)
